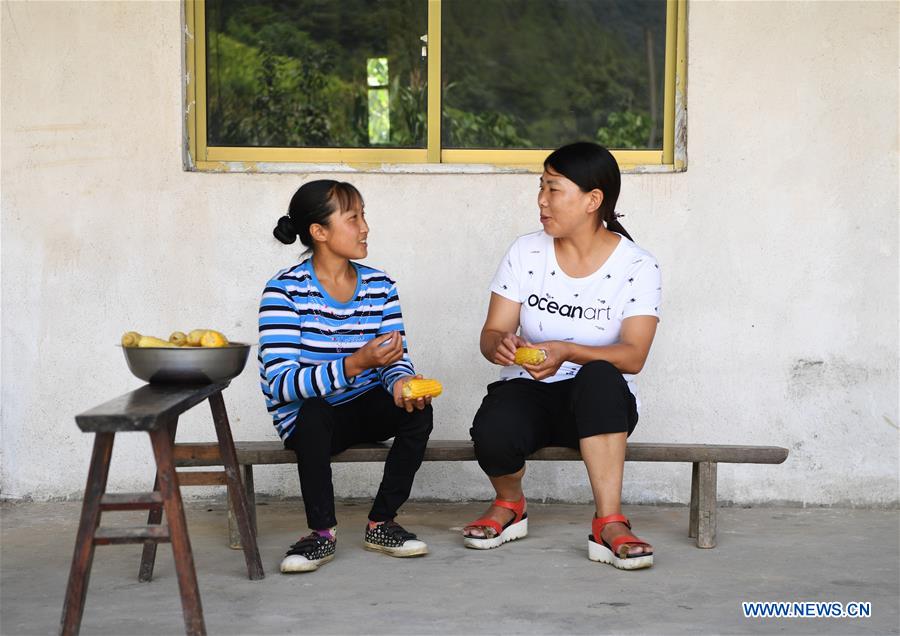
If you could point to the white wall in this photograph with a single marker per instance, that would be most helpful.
(779, 248)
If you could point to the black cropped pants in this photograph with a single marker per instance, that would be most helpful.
(520, 416)
(325, 429)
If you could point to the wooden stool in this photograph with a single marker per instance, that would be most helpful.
(155, 410)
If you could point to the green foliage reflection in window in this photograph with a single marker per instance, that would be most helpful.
(532, 74)
(295, 74)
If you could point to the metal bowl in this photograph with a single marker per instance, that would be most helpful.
(187, 365)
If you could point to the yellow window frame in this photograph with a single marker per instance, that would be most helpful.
(202, 157)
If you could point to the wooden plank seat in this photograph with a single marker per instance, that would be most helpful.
(703, 457)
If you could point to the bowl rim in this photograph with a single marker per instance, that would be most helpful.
(230, 345)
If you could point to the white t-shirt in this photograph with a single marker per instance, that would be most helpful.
(587, 311)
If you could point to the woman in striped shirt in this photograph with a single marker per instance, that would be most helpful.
(333, 362)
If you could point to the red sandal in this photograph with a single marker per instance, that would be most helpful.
(517, 527)
(614, 554)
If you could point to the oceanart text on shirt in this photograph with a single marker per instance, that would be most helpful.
(569, 311)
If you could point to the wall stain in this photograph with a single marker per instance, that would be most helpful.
(802, 366)
(890, 422)
(810, 376)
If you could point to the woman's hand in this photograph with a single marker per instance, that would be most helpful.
(557, 353)
(406, 403)
(504, 350)
(377, 352)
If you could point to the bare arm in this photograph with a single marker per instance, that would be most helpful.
(498, 336)
(629, 354)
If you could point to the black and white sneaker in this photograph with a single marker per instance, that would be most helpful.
(390, 537)
(308, 554)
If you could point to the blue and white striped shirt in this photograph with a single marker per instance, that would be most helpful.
(305, 334)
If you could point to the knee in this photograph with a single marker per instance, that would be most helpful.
(597, 384)
(495, 448)
(597, 371)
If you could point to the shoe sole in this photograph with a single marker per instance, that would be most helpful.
(309, 566)
(396, 552)
(515, 531)
(601, 554)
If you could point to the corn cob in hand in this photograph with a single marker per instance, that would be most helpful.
(421, 387)
(527, 355)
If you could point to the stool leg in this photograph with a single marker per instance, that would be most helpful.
(178, 534)
(73, 607)
(154, 518)
(234, 537)
(236, 492)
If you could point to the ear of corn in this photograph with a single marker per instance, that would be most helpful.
(212, 338)
(150, 341)
(527, 355)
(131, 339)
(193, 338)
(197, 338)
(421, 387)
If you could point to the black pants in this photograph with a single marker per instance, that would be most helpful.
(520, 416)
(324, 430)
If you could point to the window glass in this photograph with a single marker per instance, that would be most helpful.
(539, 73)
(316, 73)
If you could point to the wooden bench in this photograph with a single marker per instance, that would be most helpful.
(704, 458)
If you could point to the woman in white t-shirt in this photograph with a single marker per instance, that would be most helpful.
(585, 294)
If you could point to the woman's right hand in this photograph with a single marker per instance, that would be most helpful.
(377, 352)
(505, 347)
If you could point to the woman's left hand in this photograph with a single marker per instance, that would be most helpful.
(406, 403)
(557, 353)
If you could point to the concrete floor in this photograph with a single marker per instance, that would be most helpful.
(543, 584)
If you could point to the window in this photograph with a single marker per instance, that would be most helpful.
(368, 82)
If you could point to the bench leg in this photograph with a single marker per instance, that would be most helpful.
(234, 537)
(236, 493)
(191, 607)
(80, 574)
(154, 518)
(703, 504)
(695, 499)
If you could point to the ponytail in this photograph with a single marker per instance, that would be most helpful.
(613, 225)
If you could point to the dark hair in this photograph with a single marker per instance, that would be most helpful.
(591, 166)
(314, 202)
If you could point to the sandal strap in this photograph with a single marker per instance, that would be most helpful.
(628, 539)
(485, 523)
(517, 507)
(597, 524)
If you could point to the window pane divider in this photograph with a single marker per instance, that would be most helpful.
(434, 81)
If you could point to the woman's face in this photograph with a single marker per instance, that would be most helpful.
(565, 210)
(347, 232)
